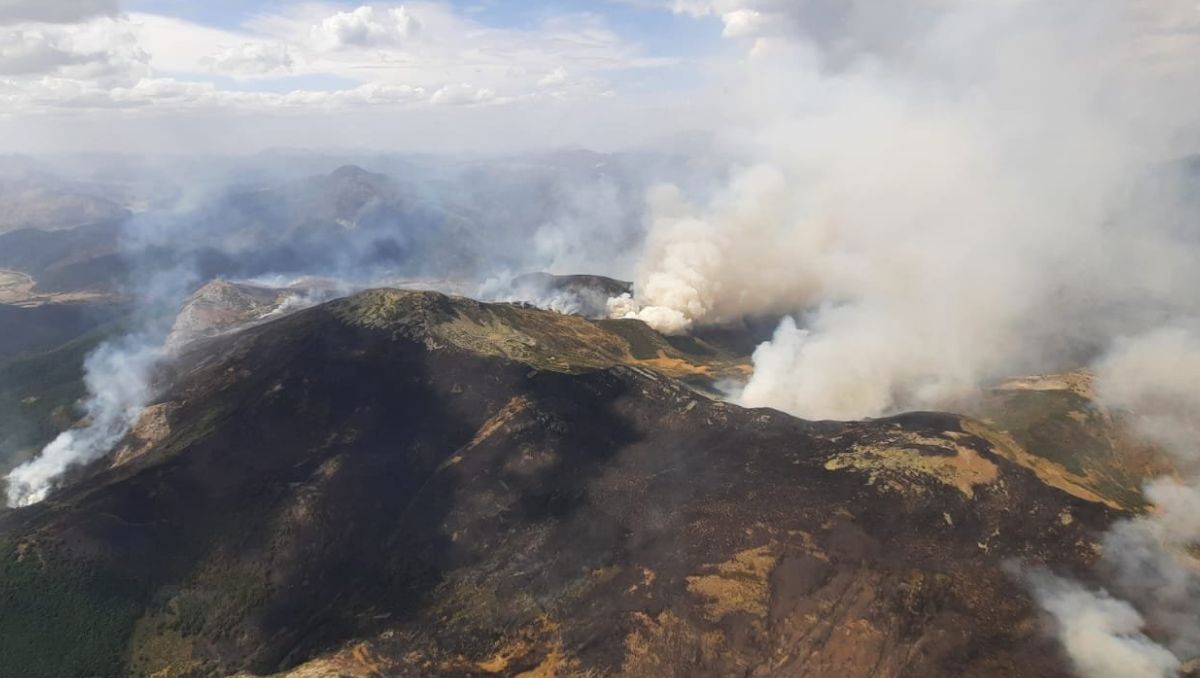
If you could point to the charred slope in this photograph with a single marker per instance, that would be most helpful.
(403, 483)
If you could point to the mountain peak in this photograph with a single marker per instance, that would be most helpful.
(354, 172)
(447, 484)
(540, 338)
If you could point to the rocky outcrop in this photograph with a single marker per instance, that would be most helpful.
(222, 306)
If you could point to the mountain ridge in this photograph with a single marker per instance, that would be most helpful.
(420, 484)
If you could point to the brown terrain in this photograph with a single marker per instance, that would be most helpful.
(408, 484)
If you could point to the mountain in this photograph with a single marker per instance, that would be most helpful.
(31, 199)
(1075, 436)
(37, 329)
(410, 484)
(222, 306)
(585, 295)
(84, 258)
(461, 219)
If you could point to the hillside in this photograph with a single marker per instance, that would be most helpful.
(404, 483)
(37, 329)
(40, 386)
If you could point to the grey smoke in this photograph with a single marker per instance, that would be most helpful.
(1103, 636)
(119, 379)
(1152, 560)
(942, 194)
(446, 223)
(997, 191)
(117, 376)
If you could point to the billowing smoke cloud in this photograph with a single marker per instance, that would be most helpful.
(118, 382)
(118, 375)
(939, 194)
(1102, 635)
(1149, 562)
(718, 264)
(1156, 377)
(996, 190)
(1152, 560)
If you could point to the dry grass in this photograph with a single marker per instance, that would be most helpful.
(738, 585)
(907, 454)
(1050, 473)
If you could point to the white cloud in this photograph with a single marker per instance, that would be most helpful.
(462, 94)
(745, 22)
(103, 50)
(252, 59)
(380, 57)
(555, 78)
(33, 52)
(54, 11)
(375, 93)
(366, 27)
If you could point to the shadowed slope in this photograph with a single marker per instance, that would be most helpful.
(404, 483)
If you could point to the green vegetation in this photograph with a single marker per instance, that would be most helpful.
(1061, 426)
(63, 621)
(1070, 430)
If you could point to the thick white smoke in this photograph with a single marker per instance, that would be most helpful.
(1156, 377)
(1102, 635)
(1152, 560)
(993, 191)
(734, 256)
(117, 376)
(938, 194)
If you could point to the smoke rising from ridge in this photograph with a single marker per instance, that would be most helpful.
(1151, 560)
(937, 195)
(444, 223)
(999, 192)
(117, 376)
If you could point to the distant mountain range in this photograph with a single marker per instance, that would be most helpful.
(467, 220)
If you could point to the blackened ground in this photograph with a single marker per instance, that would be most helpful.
(368, 486)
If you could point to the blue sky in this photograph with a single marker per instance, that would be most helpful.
(658, 29)
(646, 30)
(436, 65)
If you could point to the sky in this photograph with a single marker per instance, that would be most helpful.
(226, 76)
(240, 76)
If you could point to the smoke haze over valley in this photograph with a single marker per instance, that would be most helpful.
(636, 337)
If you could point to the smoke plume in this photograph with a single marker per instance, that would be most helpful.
(117, 376)
(998, 190)
(432, 222)
(936, 195)
(1102, 635)
(1151, 560)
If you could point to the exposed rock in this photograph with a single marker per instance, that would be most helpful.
(222, 306)
(153, 426)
